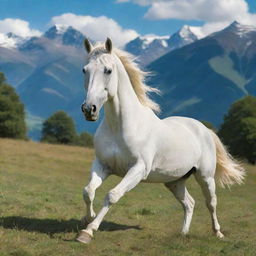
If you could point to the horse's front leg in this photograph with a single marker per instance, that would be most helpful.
(131, 179)
(98, 174)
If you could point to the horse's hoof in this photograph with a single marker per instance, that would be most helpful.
(184, 234)
(219, 234)
(84, 237)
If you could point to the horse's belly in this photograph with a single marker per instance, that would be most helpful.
(172, 166)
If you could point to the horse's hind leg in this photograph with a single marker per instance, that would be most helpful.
(208, 188)
(180, 191)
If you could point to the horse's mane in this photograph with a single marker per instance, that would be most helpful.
(136, 75)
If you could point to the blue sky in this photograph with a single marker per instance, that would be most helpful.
(128, 15)
(160, 17)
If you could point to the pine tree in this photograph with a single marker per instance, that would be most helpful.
(12, 114)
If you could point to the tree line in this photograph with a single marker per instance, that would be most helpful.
(58, 128)
(238, 130)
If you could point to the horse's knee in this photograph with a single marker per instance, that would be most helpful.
(113, 196)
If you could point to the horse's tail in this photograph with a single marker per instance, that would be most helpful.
(228, 170)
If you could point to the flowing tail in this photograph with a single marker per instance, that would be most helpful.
(228, 170)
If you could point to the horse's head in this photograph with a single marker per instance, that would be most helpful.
(100, 78)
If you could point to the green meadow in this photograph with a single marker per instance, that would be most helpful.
(41, 206)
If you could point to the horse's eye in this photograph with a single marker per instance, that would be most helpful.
(84, 71)
(107, 71)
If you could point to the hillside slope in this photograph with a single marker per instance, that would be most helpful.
(41, 206)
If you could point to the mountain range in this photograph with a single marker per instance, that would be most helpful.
(46, 72)
(150, 47)
(203, 79)
(198, 78)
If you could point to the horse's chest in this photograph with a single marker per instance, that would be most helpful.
(115, 157)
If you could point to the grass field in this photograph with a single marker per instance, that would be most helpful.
(41, 206)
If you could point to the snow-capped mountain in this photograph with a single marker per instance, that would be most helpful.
(181, 38)
(11, 40)
(56, 31)
(148, 48)
(203, 79)
(147, 40)
(151, 47)
(238, 38)
(46, 70)
(239, 29)
(66, 35)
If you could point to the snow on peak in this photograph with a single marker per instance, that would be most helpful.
(56, 31)
(10, 40)
(61, 29)
(241, 29)
(148, 39)
(186, 32)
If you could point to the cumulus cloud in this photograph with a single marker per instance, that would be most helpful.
(18, 27)
(215, 14)
(97, 28)
(206, 10)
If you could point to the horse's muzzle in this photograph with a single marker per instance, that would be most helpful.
(90, 112)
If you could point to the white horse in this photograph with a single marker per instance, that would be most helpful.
(132, 142)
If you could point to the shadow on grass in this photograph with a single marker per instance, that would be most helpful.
(53, 226)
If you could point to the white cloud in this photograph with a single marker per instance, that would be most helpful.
(206, 10)
(97, 28)
(18, 27)
(215, 13)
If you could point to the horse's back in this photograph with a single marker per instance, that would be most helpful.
(194, 125)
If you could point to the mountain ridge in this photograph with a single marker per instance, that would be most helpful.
(150, 47)
(46, 71)
(203, 79)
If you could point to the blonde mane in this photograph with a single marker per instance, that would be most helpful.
(137, 78)
(136, 75)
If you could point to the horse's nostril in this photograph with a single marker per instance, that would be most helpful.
(94, 108)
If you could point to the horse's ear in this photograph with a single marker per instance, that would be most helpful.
(108, 45)
(87, 45)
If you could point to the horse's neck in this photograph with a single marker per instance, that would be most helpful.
(124, 109)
